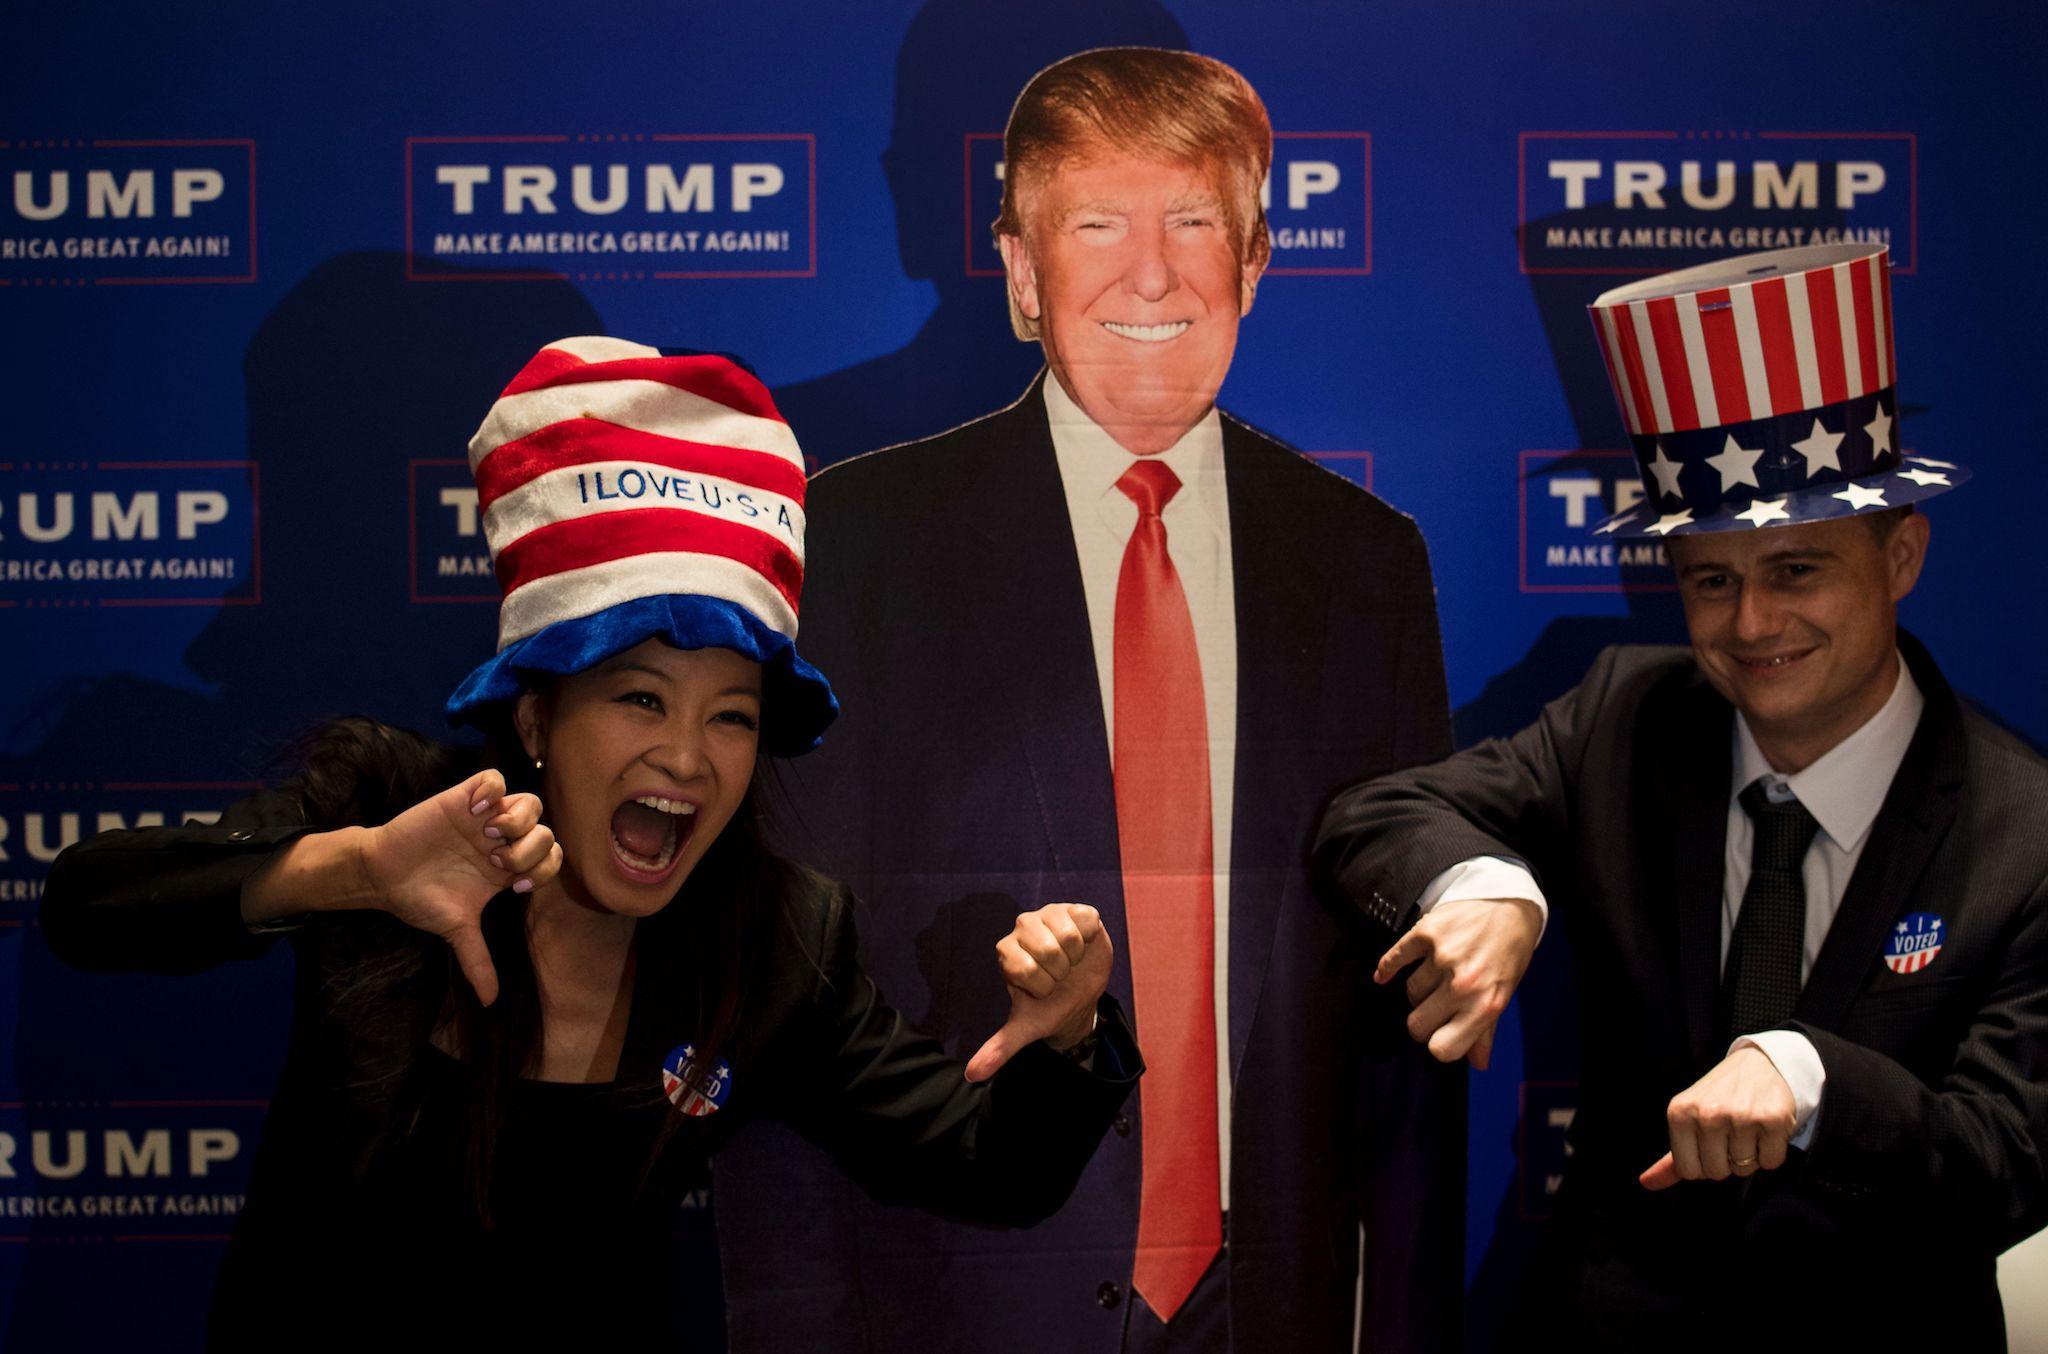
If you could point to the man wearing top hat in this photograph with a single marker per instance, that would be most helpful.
(1806, 888)
(1110, 643)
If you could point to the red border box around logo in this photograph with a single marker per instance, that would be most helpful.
(1522, 139)
(112, 144)
(1522, 532)
(126, 787)
(1324, 458)
(967, 206)
(541, 275)
(255, 539)
(412, 534)
(29, 1238)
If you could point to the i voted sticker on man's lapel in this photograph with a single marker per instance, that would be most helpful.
(690, 1090)
(1914, 941)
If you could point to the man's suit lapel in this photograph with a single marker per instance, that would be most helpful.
(1282, 599)
(1684, 767)
(1026, 595)
(1916, 814)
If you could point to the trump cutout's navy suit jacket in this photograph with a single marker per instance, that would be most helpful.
(969, 780)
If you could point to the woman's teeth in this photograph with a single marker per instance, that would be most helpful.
(656, 802)
(1149, 333)
(660, 862)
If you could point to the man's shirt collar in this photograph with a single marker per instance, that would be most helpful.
(1846, 785)
(1092, 461)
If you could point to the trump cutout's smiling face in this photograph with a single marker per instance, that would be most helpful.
(1134, 273)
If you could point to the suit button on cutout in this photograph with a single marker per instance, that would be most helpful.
(1122, 1125)
(1109, 1295)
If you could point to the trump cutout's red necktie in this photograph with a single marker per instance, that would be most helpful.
(1163, 828)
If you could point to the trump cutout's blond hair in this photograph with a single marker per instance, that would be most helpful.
(1175, 107)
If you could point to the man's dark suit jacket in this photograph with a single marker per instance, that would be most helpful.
(969, 780)
(1927, 1158)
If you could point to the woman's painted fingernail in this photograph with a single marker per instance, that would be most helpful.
(497, 862)
(481, 805)
(492, 832)
(522, 886)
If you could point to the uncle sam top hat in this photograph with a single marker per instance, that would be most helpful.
(1760, 391)
(628, 495)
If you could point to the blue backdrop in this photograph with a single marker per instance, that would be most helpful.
(263, 267)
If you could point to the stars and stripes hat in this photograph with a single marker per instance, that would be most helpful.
(1761, 391)
(630, 495)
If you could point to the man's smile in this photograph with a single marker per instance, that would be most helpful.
(1769, 663)
(1149, 333)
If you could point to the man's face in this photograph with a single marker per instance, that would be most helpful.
(1796, 625)
(1129, 268)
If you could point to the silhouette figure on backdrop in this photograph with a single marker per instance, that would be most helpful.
(354, 373)
(961, 65)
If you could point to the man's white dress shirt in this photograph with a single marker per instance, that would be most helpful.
(1197, 521)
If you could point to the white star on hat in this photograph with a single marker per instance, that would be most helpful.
(1666, 470)
(1820, 448)
(1929, 460)
(1765, 510)
(1663, 526)
(1880, 431)
(1611, 524)
(1923, 478)
(1737, 465)
(1858, 497)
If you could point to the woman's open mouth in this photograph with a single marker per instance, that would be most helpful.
(648, 836)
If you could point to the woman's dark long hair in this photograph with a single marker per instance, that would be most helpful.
(389, 993)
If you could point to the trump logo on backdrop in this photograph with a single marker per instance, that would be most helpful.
(1547, 1110)
(1645, 202)
(611, 206)
(75, 211)
(450, 560)
(129, 533)
(1563, 495)
(1318, 202)
(77, 1170)
(38, 819)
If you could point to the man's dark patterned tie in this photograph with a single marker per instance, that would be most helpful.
(1760, 981)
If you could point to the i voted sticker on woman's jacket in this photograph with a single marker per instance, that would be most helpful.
(1914, 941)
(689, 1089)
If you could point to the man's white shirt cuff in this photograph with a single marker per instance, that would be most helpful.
(1483, 877)
(1798, 1062)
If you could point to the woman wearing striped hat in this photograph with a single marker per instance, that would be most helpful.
(493, 1134)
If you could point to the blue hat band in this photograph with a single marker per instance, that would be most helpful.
(796, 701)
